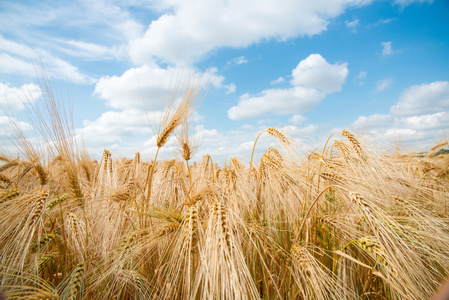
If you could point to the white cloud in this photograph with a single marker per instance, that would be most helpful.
(124, 131)
(13, 65)
(102, 19)
(404, 3)
(13, 98)
(90, 51)
(402, 134)
(230, 88)
(420, 116)
(360, 77)
(312, 79)
(352, 24)
(297, 119)
(387, 49)
(112, 127)
(56, 32)
(238, 61)
(7, 132)
(153, 83)
(17, 61)
(384, 21)
(300, 131)
(428, 122)
(384, 84)
(190, 29)
(316, 72)
(280, 101)
(128, 93)
(372, 122)
(423, 99)
(277, 81)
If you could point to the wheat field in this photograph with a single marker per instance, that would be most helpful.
(341, 222)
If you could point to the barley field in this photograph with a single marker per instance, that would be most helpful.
(342, 222)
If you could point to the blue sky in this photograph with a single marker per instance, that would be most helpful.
(377, 68)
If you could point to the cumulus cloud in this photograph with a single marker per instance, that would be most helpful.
(421, 114)
(312, 79)
(423, 99)
(373, 121)
(13, 98)
(387, 49)
(185, 32)
(153, 83)
(401, 134)
(315, 72)
(112, 127)
(139, 95)
(280, 101)
(297, 119)
(7, 132)
(384, 84)
(428, 122)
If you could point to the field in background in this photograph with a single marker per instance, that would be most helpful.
(343, 222)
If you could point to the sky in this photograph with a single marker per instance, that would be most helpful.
(376, 68)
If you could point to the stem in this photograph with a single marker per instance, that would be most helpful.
(212, 168)
(322, 155)
(313, 204)
(150, 176)
(190, 177)
(325, 145)
(150, 183)
(63, 229)
(254, 147)
(141, 216)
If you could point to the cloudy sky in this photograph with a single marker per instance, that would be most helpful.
(377, 68)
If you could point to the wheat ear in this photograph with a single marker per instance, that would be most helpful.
(8, 165)
(354, 142)
(219, 215)
(191, 228)
(8, 194)
(76, 283)
(281, 137)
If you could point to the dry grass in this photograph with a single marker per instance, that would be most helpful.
(345, 222)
